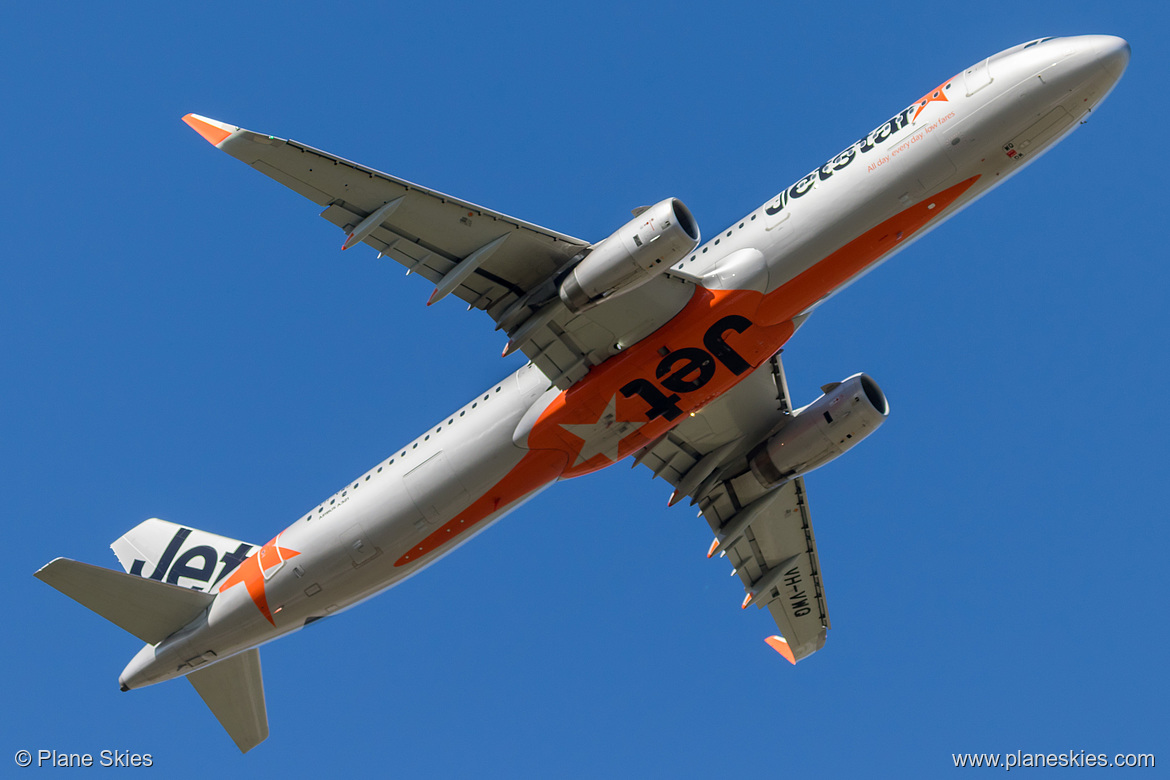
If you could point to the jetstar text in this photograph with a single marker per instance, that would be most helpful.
(879, 136)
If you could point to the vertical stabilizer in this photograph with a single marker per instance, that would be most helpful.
(234, 691)
(166, 552)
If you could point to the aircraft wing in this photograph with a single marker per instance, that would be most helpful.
(492, 261)
(767, 536)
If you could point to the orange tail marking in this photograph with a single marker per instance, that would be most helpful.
(251, 573)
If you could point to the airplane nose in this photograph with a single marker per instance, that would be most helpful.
(1093, 63)
(1113, 54)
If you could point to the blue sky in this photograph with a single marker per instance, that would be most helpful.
(183, 339)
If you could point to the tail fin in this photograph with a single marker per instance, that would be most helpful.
(171, 573)
(149, 610)
(165, 552)
(234, 692)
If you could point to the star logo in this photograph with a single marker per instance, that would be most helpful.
(253, 572)
(939, 95)
(603, 437)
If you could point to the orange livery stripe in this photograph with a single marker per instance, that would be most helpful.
(638, 395)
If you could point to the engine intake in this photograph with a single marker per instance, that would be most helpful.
(822, 431)
(644, 247)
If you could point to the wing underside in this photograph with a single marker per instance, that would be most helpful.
(766, 535)
(509, 269)
(502, 265)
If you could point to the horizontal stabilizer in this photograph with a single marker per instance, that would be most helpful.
(234, 692)
(149, 610)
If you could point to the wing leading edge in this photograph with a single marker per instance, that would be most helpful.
(494, 262)
(499, 264)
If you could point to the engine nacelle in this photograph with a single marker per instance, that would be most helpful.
(644, 247)
(828, 427)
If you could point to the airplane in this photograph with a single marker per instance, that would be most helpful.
(650, 344)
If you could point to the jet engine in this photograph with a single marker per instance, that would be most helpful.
(655, 239)
(825, 429)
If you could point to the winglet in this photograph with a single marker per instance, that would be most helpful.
(214, 132)
(778, 644)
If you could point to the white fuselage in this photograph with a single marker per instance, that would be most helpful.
(826, 230)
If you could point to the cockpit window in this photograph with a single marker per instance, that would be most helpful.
(1040, 40)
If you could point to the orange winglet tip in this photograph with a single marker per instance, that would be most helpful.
(778, 644)
(747, 600)
(714, 547)
(214, 132)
